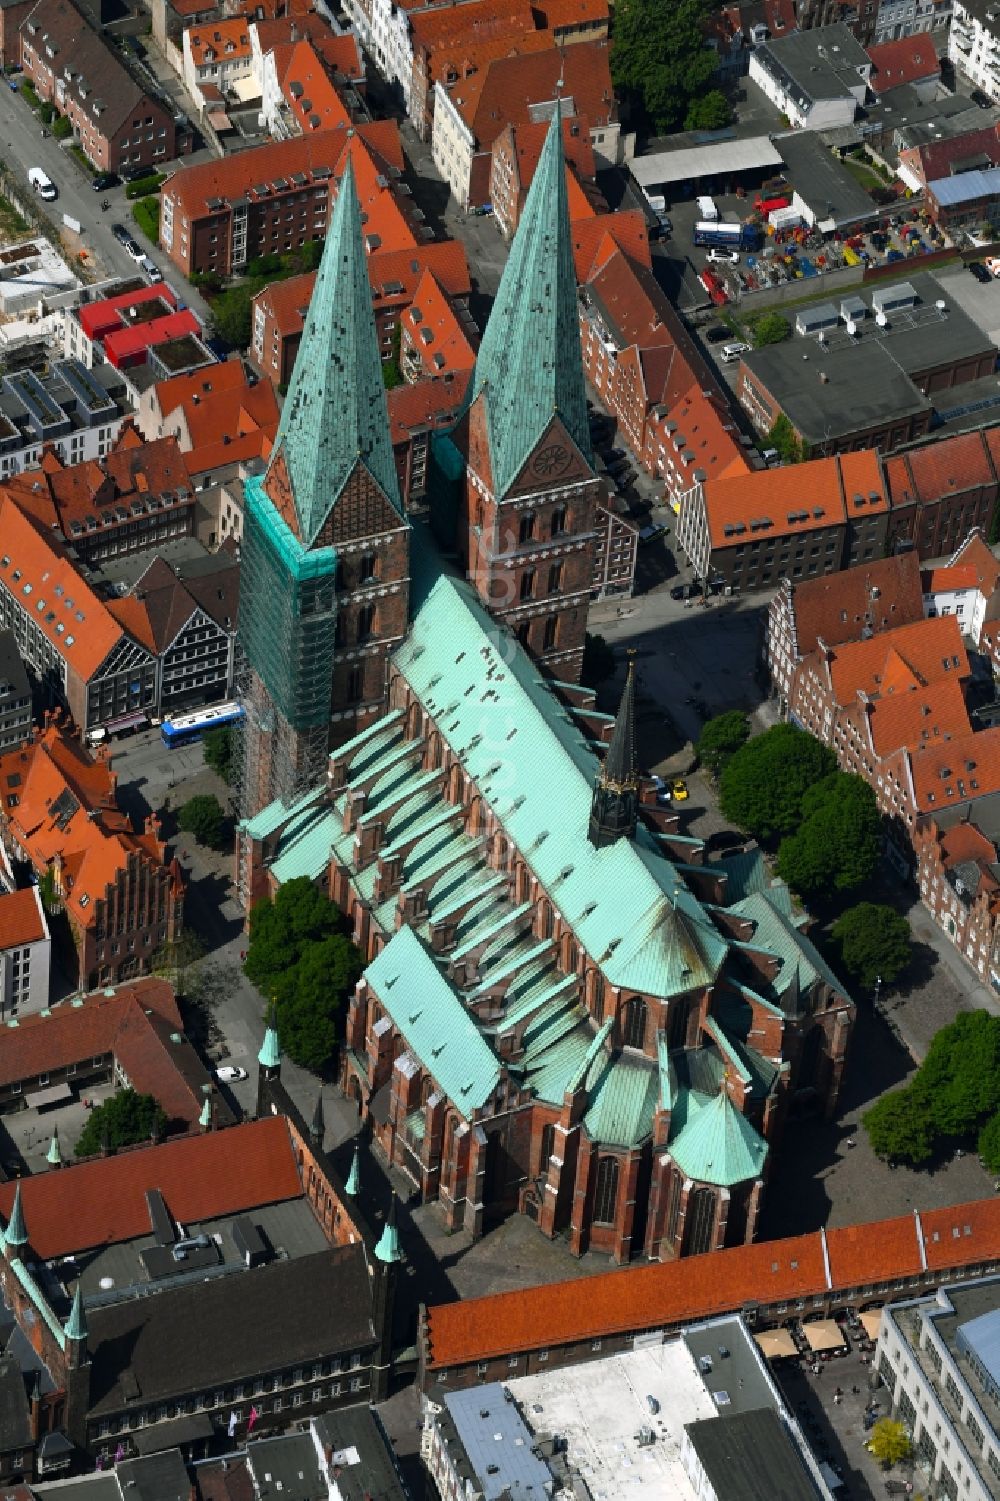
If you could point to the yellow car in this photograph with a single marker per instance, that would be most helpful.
(679, 791)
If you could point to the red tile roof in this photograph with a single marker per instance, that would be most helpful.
(564, 15)
(965, 842)
(432, 331)
(309, 91)
(429, 403)
(676, 1292)
(811, 490)
(102, 1202)
(707, 432)
(21, 919)
(957, 771)
(440, 30)
(913, 719)
(937, 158)
(838, 607)
(215, 41)
(908, 60)
(595, 240)
(503, 91)
(906, 658)
(947, 467)
(947, 579)
(975, 554)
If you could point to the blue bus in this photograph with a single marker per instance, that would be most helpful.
(182, 729)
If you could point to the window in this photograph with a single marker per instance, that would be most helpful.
(369, 567)
(606, 1193)
(634, 1023)
(550, 632)
(558, 521)
(355, 685)
(526, 527)
(528, 583)
(366, 622)
(555, 578)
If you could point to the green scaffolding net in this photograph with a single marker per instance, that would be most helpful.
(288, 613)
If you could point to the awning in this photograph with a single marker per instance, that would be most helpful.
(126, 722)
(775, 1344)
(246, 89)
(871, 1323)
(56, 1094)
(825, 1334)
(186, 1430)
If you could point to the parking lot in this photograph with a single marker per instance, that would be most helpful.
(981, 301)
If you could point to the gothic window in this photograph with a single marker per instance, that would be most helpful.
(548, 1146)
(503, 855)
(679, 1024)
(366, 622)
(526, 527)
(527, 583)
(524, 634)
(674, 1208)
(701, 1219)
(555, 577)
(634, 1023)
(558, 521)
(426, 1089)
(369, 567)
(606, 1191)
(550, 632)
(355, 685)
(545, 921)
(597, 993)
(571, 957)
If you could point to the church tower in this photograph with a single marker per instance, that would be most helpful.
(325, 585)
(614, 810)
(528, 503)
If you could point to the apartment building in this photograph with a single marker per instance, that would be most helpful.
(117, 120)
(15, 694)
(73, 412)
(218, 54)
(515, 156)
(817, 78)
(941, 492)
(25, 954)
(974, 44)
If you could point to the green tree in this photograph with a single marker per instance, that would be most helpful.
(122, 1121)
(782, 437)
(47, 889)
(300, 957)
(710, 112)
(989, 1144)
(219, 750)
(770, 328)
(763, 784)
(898, 1127)
(203, 816)
(959, 1080)
(838, 843)
(46, 112)
(873, 941)
(232, 313)
(889, 1442)
(598, 661)
(721, 738)
(146, 213)
(659, 60)
(62, 128)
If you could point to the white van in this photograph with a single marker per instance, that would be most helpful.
(707, 210)
(42, 183)
(731, 352)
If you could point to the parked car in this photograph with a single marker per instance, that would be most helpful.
(101, 181)
(679, 790)
(979, 271)
(151, 270)
(127, 242)
(653, 530)
(42, 183)
(983, 100)
(717, 333)
(230, 1074)
(662, 790)
(732, 352)
(136, 174)
(724, 257)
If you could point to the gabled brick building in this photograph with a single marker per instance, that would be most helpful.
(120, 898)
(118, 121)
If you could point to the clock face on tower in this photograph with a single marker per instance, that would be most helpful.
(550, 460)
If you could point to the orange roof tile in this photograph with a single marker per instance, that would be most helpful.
(21, 919)
(957, 771)
(811, 491)
(965, 842)
(861, 477)
(961, 1235)
(861, 1254)
(939, 580)
(225, 376)
(624, 230)
(705, 430)
(913, 719)
(975, 554)
(910, 656)
(72, 618)
(558, 15)
(947, 467)
(432, 330)
(102, 1202)
(215, 41)
(438, 30)
(309, 91)
(839, 606)
(429, 403)
(506, 87)
(635, 1298)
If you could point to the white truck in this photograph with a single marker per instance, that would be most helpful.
(42, 183)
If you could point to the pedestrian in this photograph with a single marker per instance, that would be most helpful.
(856, 1390)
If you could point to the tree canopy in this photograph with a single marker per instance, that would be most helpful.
(204, 817)
(721, 738)
(770, 328)
(124, 1120)
(219, 746)
(838, 843)
(889, 1442)
(955, 1092)
(660, 62)
(302, 960)
(873, 942)
(710, 112)
(764, 783)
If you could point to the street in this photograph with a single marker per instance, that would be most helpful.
(24, 146)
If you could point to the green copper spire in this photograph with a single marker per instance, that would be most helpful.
(388, 1249)
(529, 362)
(270, 1050)
(76, 1324)
(354, 1177)
(54, 1156)
(205, 1118)
(335, 415)
(16, 1234)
